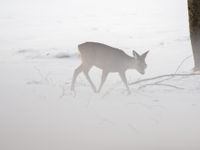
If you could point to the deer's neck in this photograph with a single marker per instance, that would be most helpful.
(130, 63)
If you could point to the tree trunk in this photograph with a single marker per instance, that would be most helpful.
(194, 21)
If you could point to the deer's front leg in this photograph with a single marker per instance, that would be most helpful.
(103, 79)
(123, 77)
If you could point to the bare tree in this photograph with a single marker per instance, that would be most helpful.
(194, 21)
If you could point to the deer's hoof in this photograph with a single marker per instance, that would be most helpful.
(96, 91)
(129, 93)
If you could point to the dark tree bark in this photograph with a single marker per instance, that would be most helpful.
(194, 21)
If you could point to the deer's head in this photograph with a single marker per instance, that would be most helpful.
(140, 64)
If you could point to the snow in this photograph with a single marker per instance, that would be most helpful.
(38, 54)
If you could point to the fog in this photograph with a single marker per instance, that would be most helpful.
(39, 53)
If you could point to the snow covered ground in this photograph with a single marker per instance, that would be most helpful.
(38, 54)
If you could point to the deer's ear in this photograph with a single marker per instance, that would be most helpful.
(144, 55)
(135, 54)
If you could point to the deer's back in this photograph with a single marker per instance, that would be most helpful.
(101, 55)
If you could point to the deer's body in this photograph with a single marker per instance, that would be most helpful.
(104, 57)
(108, 59)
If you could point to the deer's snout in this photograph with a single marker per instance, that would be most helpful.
(143, 72)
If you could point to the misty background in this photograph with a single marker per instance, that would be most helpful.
(38, 54)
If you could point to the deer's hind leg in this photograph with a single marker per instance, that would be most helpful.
(86, 69)
(76, 73)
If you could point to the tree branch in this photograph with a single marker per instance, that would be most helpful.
(161, 84)
(163, 76)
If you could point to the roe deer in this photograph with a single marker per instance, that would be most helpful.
(108, 59)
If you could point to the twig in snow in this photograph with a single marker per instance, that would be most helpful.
(163, 76)
(161, 84)
(45, 78)
(182, 63)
